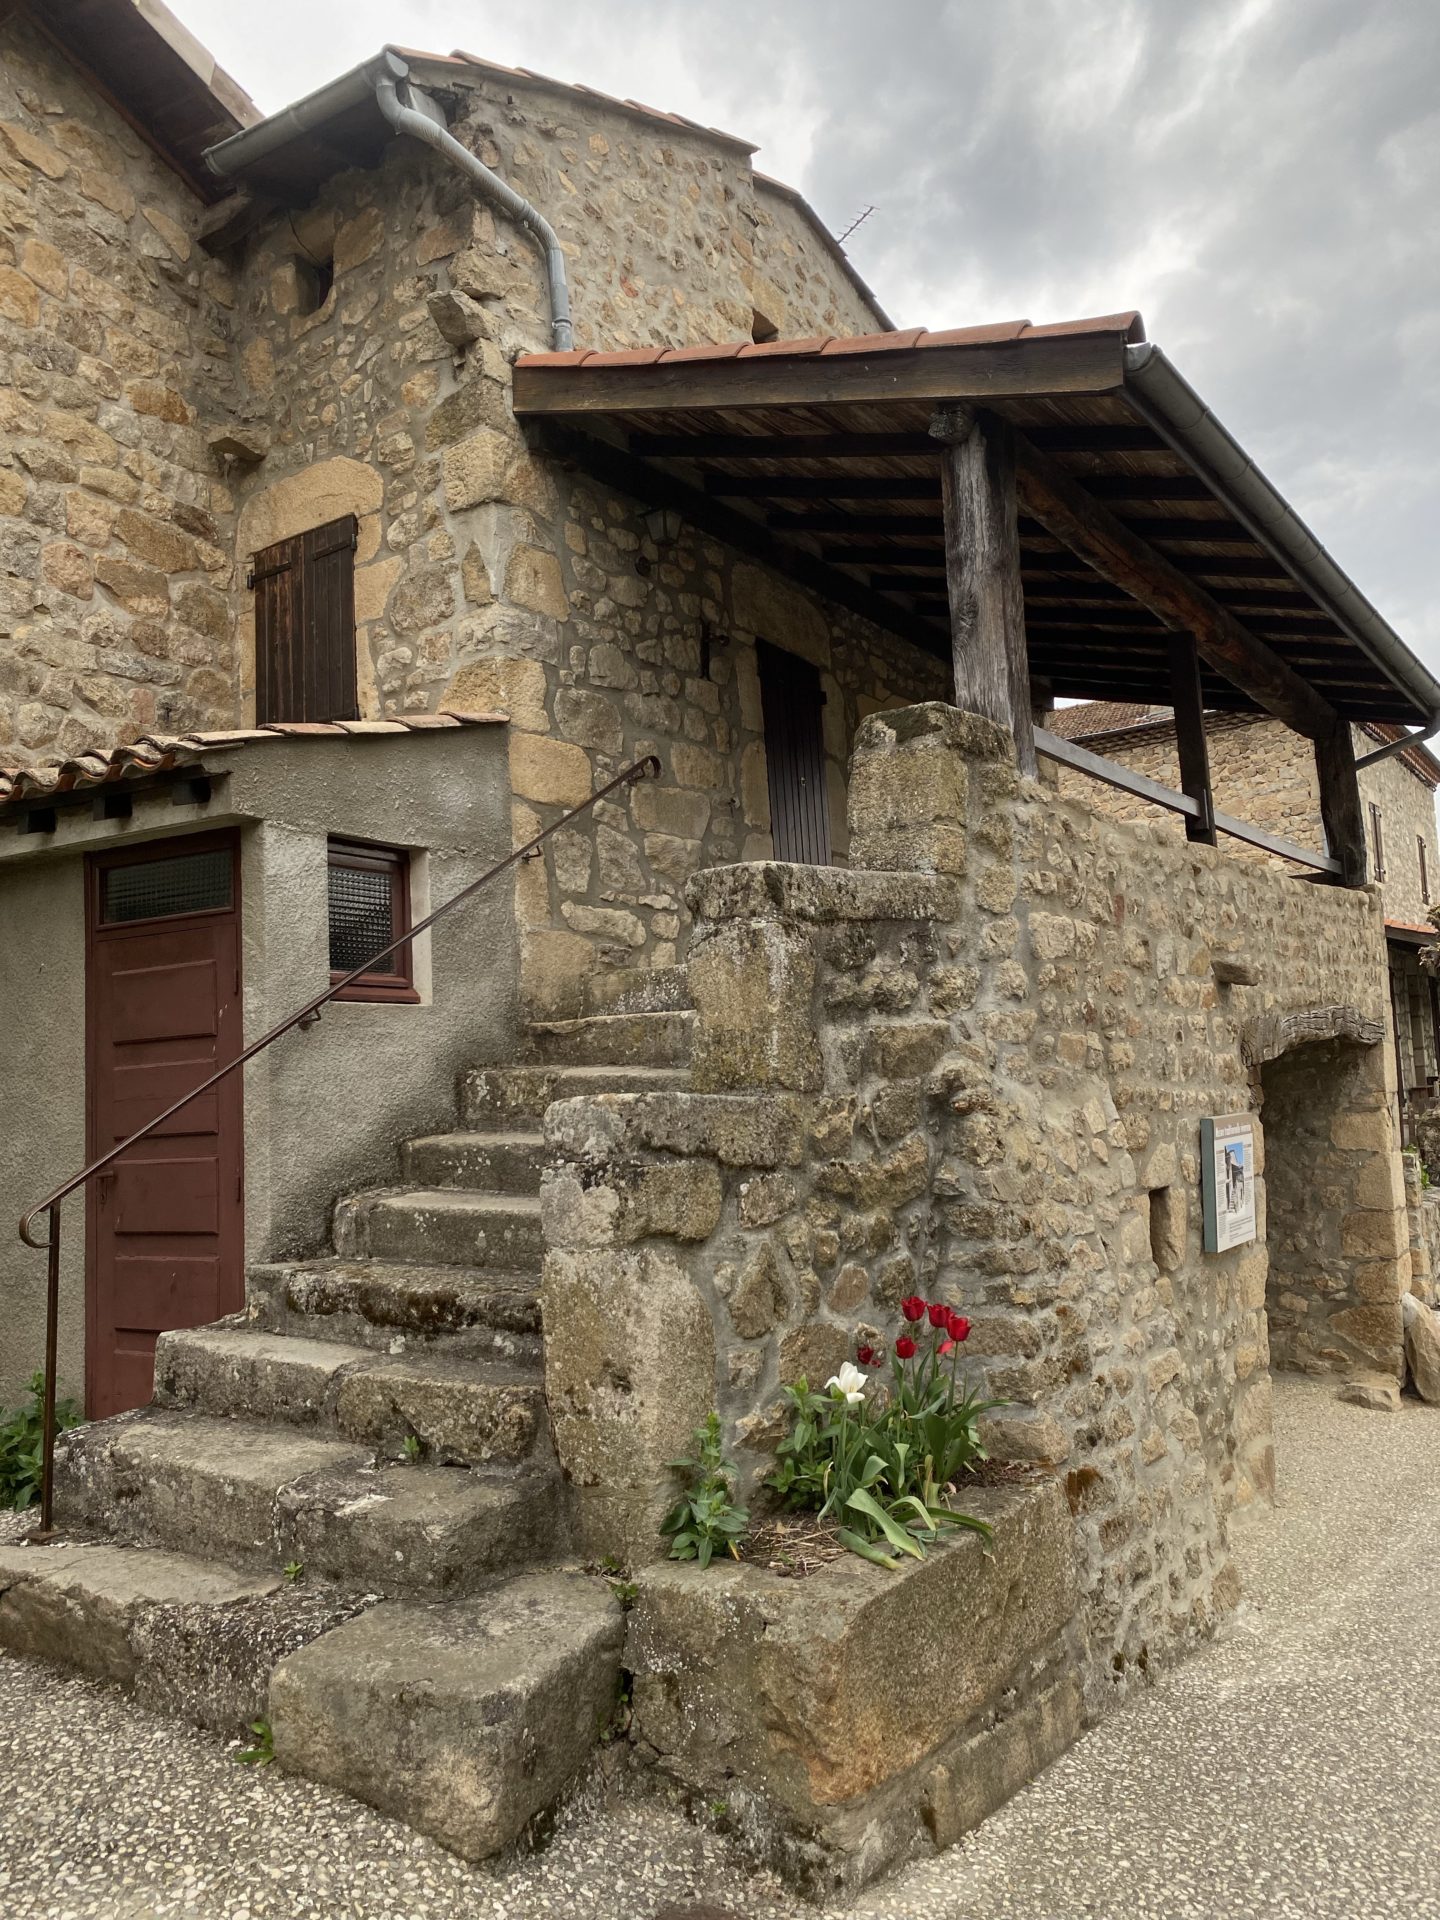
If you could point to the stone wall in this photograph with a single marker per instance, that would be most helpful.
(1264, 774)
(490, 577)
(974, 1066)
(115, 528)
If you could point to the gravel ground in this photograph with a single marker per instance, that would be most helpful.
(1290, 1771)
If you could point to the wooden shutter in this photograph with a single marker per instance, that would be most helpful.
(792, 701)
(305, 626)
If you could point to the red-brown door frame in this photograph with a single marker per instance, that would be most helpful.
(229, 1093)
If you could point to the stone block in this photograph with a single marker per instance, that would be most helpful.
(465, 1721)
(518, 688)
(1379, 1392)
(1422, 1348)
(549, 771)
(795, 1695)
(765, 1130)
(629, 1375)
(678, 1200)
(533, 581)
(753, 984)
(473, 470)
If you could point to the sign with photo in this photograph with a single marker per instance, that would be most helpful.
(1227, 1154)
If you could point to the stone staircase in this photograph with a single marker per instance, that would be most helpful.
(343, 1512)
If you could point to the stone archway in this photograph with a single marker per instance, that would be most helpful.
(1336, 1232)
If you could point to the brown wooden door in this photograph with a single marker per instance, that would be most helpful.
(165, 1226)
(793, 704)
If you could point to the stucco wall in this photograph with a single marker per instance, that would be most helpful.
(115, 526)
(1263, 773)
(324, 1108)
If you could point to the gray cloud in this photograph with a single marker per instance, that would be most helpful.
(1260, 177)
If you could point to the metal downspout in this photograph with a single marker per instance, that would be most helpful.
(420, 126)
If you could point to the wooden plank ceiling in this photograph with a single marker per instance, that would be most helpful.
(856, 489)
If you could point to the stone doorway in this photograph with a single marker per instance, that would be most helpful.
(1334, 1208)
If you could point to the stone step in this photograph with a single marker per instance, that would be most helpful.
(478, 1312)
(437, 1226)
(483, 1162)
(462, 1412)
(504, 1097)
(257, 1496)
(638, 990)
(190, 1638)
(615, 1039)
(465, 1720)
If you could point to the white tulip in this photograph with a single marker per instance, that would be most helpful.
(851, 1382)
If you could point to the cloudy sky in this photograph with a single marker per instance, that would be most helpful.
(1260, 177)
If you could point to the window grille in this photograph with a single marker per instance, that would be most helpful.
(158, 889)
(369, 907)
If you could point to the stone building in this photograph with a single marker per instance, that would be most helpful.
(1259, 772)
(466, 487)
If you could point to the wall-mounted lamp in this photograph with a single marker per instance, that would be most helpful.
(663, 525)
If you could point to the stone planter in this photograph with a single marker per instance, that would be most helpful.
(858, 1716)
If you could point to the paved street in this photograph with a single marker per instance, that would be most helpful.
(1292, 1771)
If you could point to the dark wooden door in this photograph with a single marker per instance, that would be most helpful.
(793, 706)
(305, 666)
(165, 1226)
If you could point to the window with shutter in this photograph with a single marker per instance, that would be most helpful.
(305, 626)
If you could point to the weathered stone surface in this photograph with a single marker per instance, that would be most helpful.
(1422, 1347)
(752, 984)
(629, 1375)
(792, 1691)
(465, 1720)
(474, 468)
(1380, 1392)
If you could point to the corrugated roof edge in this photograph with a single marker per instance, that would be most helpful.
(160, 752)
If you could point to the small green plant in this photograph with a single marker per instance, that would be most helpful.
(627, 1592)
(293, 1569)
(884, 1462)
(21, 1446)
(706, 1519)
(412, 1447)
(263, 1751)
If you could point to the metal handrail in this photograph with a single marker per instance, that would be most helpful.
(646, 769)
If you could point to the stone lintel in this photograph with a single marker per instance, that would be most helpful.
(772, 890)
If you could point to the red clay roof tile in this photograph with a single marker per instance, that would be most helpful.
(157, 752)
(977, 336)
(761, 349)
(876, 342)
(729, 352)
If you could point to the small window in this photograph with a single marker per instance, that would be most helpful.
(1424, 868)
(159, 889)
(369, 909)
(1377, 836)
(313, 281)
(762, 327)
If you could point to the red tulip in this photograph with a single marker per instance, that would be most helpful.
(904, 1347)
(865, 1355)
(959, 1327)
(913, 1308)
(938, 1314)
(946, 1346)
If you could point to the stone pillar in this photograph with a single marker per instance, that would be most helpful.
(910, 785)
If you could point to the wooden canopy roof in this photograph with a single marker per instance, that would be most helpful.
(816, 455)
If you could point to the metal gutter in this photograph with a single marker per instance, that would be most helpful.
(1168, 403)
(253, 144)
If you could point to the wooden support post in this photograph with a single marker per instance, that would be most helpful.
(1190, 741)
(982, 572)
(1340, 808)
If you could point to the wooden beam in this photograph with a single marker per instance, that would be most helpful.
(877, 446)
(1051, 366)
(1182, 532)
(982, 567)
(1190, 742)
(1340, 809)
(823, 486)
(1123, 555)
(626, 474)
